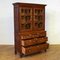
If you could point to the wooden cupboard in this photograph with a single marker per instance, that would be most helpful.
(29, 28)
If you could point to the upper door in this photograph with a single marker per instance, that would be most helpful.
(39, 18)
(25, 18)
(32, 17)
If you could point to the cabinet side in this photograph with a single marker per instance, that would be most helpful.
(16, 26)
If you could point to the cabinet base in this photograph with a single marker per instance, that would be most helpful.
(24, 55)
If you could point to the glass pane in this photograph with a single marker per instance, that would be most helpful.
(27, 26)
(36, 17)
(39, 18)
(42, 11)
(35, 24)
(38, 11)
(27, 18)
(35, 11)
(22, 10)
(40, 25)
(29, 10)
(25, 11)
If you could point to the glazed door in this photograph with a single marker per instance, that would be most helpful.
(25, 19)
(39, 18)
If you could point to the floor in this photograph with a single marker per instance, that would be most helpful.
(53, 53)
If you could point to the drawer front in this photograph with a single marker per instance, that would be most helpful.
(26, 36)
(31, 35)
(33, 41)
(34, 49)
(39, 34)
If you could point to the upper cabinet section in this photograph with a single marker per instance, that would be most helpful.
(30, 16)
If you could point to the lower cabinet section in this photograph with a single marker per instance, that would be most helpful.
(34, 49)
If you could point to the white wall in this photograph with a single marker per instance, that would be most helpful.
(52, 20)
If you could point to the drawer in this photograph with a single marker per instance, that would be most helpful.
(33, 41)
(32, 35)
(39, 34)
(26, 36)
(34, 49)
(27, 42)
